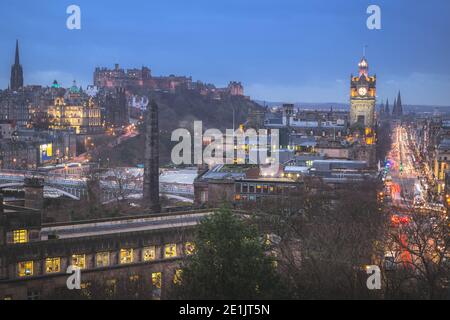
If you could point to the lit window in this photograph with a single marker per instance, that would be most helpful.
(157, 280)
(85, 285)
(20, 236)
(52, 265)
(126, 256)
(149, 254)
(177, 276)
(102, 259)
(79, 261)
(170, 251)
(25, 269)
(258, 189)
(189, 248)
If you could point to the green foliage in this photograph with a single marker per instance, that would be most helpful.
(230, 262)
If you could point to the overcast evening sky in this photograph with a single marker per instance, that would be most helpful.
(282, 50)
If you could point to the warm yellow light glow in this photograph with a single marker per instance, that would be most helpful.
(157, 280)
(102, 259)
(126, 256)
(25, 269)
(52, 265)
(189, 248)
(177, 276)
(20, 236)
(170, 251)
(149, 254)
(79, 261)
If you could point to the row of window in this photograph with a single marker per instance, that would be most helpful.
(264, 189)
(102, 259)
(156, 285)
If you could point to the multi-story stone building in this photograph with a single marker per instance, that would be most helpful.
(75, 111)
(34, 257)
(29, 149)
(114, 105)
(15, 105)
(7, 129)
(18, 155)
(241, 184)
(442, 163)
(320, 124)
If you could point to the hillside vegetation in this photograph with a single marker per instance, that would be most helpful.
(180, 110)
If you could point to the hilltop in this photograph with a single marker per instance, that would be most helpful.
(180, 110)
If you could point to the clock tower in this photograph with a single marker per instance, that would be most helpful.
(363, 97)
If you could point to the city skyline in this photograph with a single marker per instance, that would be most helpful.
(313, 47)
(224, 151)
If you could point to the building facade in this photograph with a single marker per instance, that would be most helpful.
(15, 106)
(34, 258)
(75, 111)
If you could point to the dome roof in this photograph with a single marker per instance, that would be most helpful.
(74, 88)
(55, 84)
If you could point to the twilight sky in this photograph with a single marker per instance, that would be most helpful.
(282, 50)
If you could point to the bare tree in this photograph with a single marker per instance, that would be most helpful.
(418, 247)
(328, 236)
(123, 184)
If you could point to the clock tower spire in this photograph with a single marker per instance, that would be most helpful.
(363, 97)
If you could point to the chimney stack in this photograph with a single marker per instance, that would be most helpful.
(34, 193)
(151, 158)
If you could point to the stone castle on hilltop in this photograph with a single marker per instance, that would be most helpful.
(143, 78)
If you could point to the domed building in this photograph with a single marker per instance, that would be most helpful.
(75, 110)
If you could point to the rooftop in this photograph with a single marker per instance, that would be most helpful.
(114, 226)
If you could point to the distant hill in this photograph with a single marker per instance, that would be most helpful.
(180, 110)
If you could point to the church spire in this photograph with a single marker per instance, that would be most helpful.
(399, 104)
(16, 71)
(395, 110)
(17, 59)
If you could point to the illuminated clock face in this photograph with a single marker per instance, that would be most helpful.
(362, 91)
